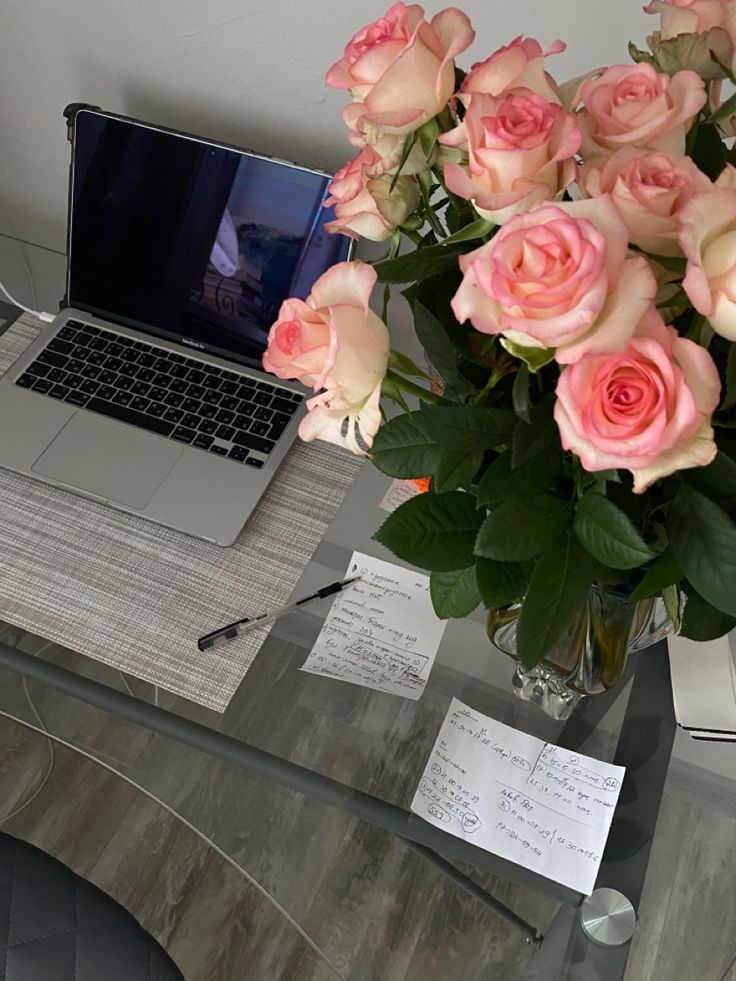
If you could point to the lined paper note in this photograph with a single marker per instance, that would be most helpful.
(381, 632)
(398, 492)
(532, 802)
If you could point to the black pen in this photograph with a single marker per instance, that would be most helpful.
(224, 634)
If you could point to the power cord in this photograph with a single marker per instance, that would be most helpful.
(41, 730)
(42, 315)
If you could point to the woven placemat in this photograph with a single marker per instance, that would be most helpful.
(135, 595)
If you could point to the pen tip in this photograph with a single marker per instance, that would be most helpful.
(346, 582)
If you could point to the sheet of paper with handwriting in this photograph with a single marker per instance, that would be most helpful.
(531, 802)
(381, 632)
(398, 492)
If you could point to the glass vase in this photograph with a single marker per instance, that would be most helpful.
(591, 656)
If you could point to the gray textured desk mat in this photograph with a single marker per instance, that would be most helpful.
(135, 595)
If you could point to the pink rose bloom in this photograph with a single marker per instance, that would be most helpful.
(650, 189)
(646, 409)
(365, 205)
(689, 16)
(334, 342)
(558, 277)
(708, 239)
(400, 69)
(633, 105)
(521, 151)
(517, 65)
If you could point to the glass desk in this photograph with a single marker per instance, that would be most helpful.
(310, 765)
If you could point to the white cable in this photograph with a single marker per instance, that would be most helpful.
(42, 315)
(31, 278)
(125, 684)
(52, 756)
(187, 824)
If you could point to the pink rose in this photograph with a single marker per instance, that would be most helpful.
(400, 69)
(650, 189)
(365, 205)
(689, 16)
(558, 277)
(521, 151)
(517, 65)
(635, 105)
(646, 409)
(708, 239)
(334, 342)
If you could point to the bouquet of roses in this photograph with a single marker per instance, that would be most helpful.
(572, 276)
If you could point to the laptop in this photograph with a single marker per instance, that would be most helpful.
(146, 392)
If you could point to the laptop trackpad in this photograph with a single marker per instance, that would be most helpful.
(107, 459)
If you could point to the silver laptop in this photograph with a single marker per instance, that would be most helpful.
(146, 392)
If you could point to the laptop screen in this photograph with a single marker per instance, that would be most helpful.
(189, 240)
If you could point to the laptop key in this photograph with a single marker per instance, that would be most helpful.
(229, 388)
(211, 381)
(38, 369)
(139, 404)
(145, 375)
(140, 388)
(173, 415)
(59, 346)
(238, 453)
(123, 382)
(89, 387)
(96, 358)
(114, 350)
(190, 405)
(59, 392)
(56, 375)
(259, 428)
(107, 377)
(98, 344)
(241, 422)
(195, 391)
(77, 398)
(106, 392)
(246, 392)
(156, 409)
(55, 360)
(179, 370)
(211, 398)
(212, 369)
(161, 380)
(67, 332)
(224, 416)
(284, 405)
(122, 398)
(128, 369)
(207, 411)
(178, 385)
(74, 381)
(113, 364)
(79, 352)
(220, 450)
(147, 360)
(195, 375)
(202, 441)
(283, 393)
(247, 409)
(42, 385)
(208, 427)
(263, 413)
(162, 365)
(253, 461)
(25, 380)
(231, 376)
(189, 420)
(263, 398)
(126, 414)
(229, 402)
(173, 399)
(183, 435)
(225, 432)
(254, 442)
(75, 366)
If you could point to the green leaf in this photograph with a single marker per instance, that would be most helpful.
(729, 399)
(390, 390)
(709, 152)
(433, 531)
(703, 539)
(726, 109)
(439, 349)
(468, 427)
(409, 142)
(414, 267)
(428, 134)
(520, 394)
(664, 572)
(608, 534)
(501, 583)
(469, 233)
(540, 435)
(454, 594)
(501, 481)
(456, 470)
(557, 593)
(610, 577)
(701, 621)
(403, 448)
(405, 366)
(523, 528)
(671, 597)
(534, 357)
(717, 480)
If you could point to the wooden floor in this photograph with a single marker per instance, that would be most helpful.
(378, 911)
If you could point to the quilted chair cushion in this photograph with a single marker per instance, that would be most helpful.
(56, 926)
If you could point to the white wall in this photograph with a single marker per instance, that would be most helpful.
(248, 72)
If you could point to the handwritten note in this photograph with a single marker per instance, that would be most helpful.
(381, 632)
(534, 803)
(398, 492)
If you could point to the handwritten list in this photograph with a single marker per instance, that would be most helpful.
(538, 805)
(381, 632)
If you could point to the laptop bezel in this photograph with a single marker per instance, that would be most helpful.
(71, 113)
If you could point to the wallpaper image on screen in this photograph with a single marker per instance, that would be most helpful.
(190, 240)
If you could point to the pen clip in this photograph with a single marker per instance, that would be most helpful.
(220, 636)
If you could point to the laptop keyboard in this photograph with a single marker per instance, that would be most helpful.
(213, 409)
